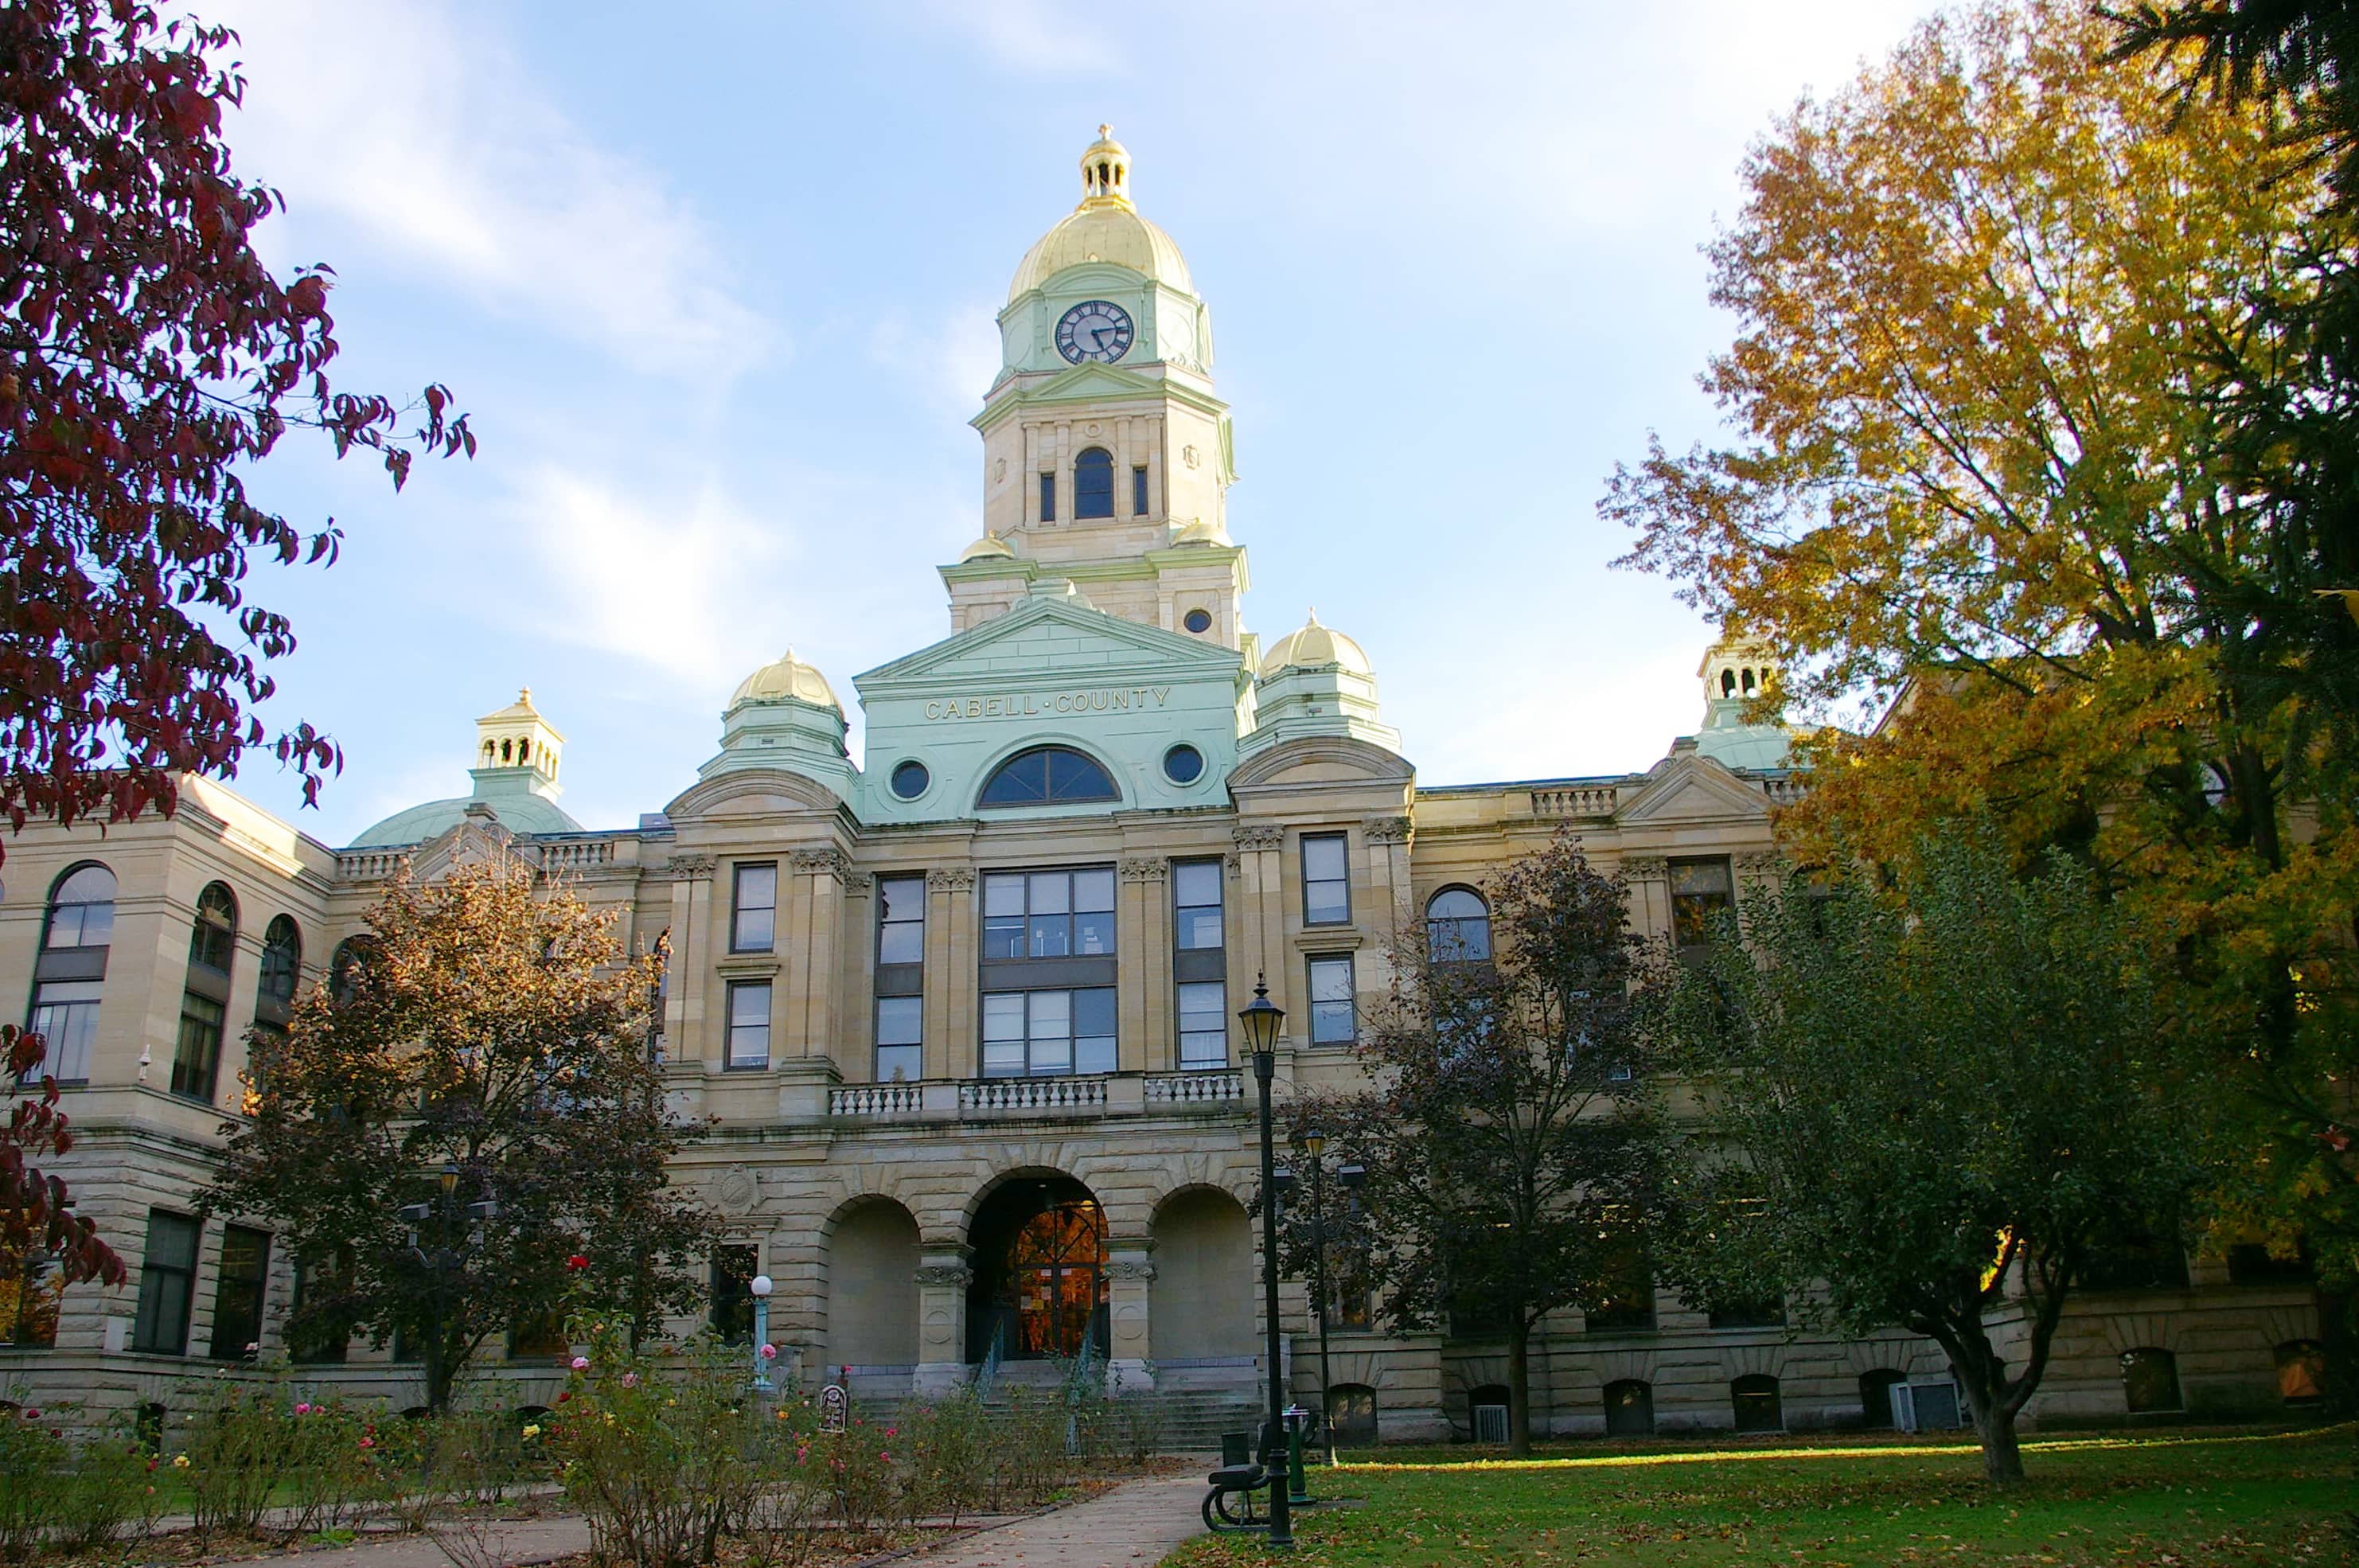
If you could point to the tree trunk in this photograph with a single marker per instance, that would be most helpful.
(2002, 1453)
(1519, 1385)
(1979, 1373)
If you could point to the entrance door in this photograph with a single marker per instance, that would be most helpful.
(1040, 1284)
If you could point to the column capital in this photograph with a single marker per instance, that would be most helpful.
(1258, 835)
(1646, 867)
(1142, 869)
(687, 867)
(1387, 830)
(950, 879)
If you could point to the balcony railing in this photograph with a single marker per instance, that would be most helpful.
(1574, 801)
(876, 1100)
(1215, 1088)
(977, 1098)
(1021, 1096)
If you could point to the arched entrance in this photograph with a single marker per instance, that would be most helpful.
(1040, 1271)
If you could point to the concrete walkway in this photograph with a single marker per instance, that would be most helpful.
(1130, 1526)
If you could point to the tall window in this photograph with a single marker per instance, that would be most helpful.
(204, 1006)
(167, 1278)
(749, 1024)
(1047, 497)
(1326, 880)
(733, 1294)
(1048, 914)
(1625, 1298)
(32, 1291)
(1093, 484)
(1334, 1016)
(81, 910)
(1048, 775)
(1457, 926)
(68, 975)
(754, 909)
(314, 1342)
(1138, 492)
(237, 1297)
(282, 959)
(1043, 1033)
(901, 1039)
(1196, 900)
(1699, 889)
(900, 919)
(1203, 1025)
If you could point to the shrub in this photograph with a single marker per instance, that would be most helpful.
(950, 1446)
(111, 1492)
(31, 1459)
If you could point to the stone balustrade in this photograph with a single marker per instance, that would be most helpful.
(1217, 1088)
(1029, 1096)
(577, 855)
(876, 1100)
(1784, 791)
(1575, 800)
(369, 865)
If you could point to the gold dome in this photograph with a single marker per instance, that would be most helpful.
(788, 677)
(1313, 646)
(1104, 227)
(989, 547)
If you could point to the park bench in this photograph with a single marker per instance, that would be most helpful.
(1229, 1506)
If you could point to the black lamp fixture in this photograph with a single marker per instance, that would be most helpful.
(1262, 1018)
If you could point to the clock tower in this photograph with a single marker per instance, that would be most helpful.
(1106, 454)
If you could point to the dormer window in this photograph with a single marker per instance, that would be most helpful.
(1093, 484)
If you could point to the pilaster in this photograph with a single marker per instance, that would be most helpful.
(1130, 1274)
(1146, 995)
(950, 959)
(1261, 906)
(690, 972)
(944, 1278)
(1650, 892)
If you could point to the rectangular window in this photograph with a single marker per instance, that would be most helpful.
(1203, 1025)
(900, 1038)
(65, 1013)
(1326, 881)
(900, 919)
(1334, 1018)
(1048, 914)
(753, 909)
(1196, 900)
(749, 1024)
(197, 1057)
(1047, 497)
(313, 1343)
(1138, 492)
(1625, 1298)
(733, 1294)
(237, 1295)
(540, 1337)
(168, 1276)
(1045, 1033)
(32, 1292)
(1699, 889)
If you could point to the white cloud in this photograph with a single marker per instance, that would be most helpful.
(948, 363)
(423, 128)
(1043, 37)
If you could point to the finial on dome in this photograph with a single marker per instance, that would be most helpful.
(1314, 619)
(1106, 171)
(523, 694)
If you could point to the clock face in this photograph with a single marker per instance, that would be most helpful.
(1094, 329)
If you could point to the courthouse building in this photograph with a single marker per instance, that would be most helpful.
(962, 1008)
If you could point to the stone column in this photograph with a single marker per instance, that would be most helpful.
(814, 898)
(1650, 893)
(1261, 902)
(1130, 1274)
(1392, 904)
(690, 973)
(942, 1281)
(950, 974)
(1145, 974)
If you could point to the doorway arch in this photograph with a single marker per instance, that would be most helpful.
(1039, 1260)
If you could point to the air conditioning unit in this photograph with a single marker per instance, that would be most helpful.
(1926, 1406)
(1491, 1423)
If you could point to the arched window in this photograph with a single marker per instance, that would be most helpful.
(345, 969)
(2150, 1380)
(282, 959)
(212, 936)
(1875, 1397)
(204, 1006)
(1048, 775)
(1457, 926)
(1093, 484)
(1755, 1398)
(1351, 1411)
(1630, 1408)
(82, 909)
(2302, 1372)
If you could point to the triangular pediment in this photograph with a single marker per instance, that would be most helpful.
(1049, 638)
(1093, 380)
(1690, 789)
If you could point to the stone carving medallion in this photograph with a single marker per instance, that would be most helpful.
(737, 1191)
(948, 1276)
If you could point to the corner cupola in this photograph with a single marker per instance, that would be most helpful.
(516, 763)
(784, 715)
(1738, 674)
(1106, 171)
(1316, 682)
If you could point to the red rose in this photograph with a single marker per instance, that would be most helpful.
(577, 1263)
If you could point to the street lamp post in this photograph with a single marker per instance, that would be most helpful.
(1262, 1018)
(759, 1285)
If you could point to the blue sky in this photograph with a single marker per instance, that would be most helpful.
(716, 282)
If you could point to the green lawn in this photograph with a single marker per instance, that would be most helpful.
(2182, 1499)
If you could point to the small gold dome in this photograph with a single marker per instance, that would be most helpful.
(989, 547)
(1104, 227)
(787, 677)
(1315, 644)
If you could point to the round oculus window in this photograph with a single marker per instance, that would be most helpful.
(1197, 621)
(910, 781)
(1183, 764)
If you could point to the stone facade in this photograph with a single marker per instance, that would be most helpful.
(960, 1013)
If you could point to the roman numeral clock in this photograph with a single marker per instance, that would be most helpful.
(1094, 329)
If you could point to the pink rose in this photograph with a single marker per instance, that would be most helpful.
(368, 1442)
(581, 1364)
(304, 1410)
(769, 1353)
(630, 1379)
(33, 1412)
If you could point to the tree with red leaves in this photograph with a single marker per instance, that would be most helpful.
(148, 359)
